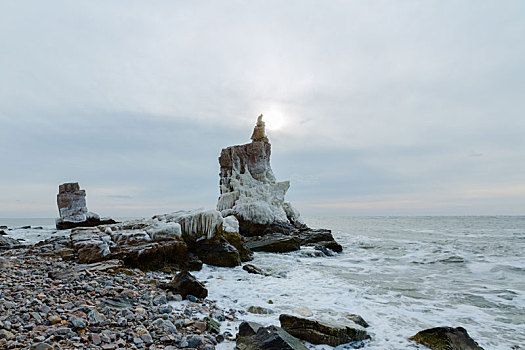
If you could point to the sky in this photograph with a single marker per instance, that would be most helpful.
(395, 107)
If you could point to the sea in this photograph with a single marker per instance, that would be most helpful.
(401, 274)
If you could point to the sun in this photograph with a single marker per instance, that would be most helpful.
(274, 119)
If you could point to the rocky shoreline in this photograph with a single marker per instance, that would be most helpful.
(110, 285)
(48, 303)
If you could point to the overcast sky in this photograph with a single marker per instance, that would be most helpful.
(374, 107)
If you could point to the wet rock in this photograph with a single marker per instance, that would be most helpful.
(236, 240)
(275, 243)
(253, 269)
(357, 320)
(253, 336)
(317, 332)
(218, 253)
(186, 284)
(446, 338)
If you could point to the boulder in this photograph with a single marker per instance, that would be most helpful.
(8, 242)
(71, 201)
(357, 319)
(446, 338)
(218, 253)
(275, 243)
(254, 270)
(184, 283)
(317, 332)
(253, 336)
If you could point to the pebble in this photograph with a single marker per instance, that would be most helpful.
(97, 309)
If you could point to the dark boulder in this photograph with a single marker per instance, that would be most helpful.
(275, 243)
(254, 270)
(184, 283)
(89, 222)
(317, 332)
(157, 256)
(236, 240)
(446, 338)
(218, 253)
(250, 229)
(253, 336)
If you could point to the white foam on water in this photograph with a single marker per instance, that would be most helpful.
(445, 272)
(401, 274)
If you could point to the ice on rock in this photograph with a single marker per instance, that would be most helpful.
(230, 224)
(91, 215)
(248, 188)
(165, 231)
(195, 224)
(293, 214)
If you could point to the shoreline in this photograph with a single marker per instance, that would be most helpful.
(105, 308)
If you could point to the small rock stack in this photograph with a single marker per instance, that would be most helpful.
(71, 201)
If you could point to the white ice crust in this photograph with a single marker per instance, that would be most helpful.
(258, 201)
(230, 224)
(195, 224)
(165, 231)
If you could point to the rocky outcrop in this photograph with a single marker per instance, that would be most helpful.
(250, 192)
(71, 201)
(8, 243)
(253, 336)
(184, 283)
(317, 332)
(214, 239)
(182, 240)
(248, 186)
(446, 338)
(135, 248)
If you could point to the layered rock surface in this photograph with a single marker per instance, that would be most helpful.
(182, 240)
(71, 201)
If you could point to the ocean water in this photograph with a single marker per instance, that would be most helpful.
(401, 274)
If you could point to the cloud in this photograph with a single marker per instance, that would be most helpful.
(380, 98)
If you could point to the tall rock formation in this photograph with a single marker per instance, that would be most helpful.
(71, 201)
(249, 190)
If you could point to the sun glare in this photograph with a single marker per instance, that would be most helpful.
(274, 119)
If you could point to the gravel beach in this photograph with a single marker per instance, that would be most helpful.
(47, 303)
